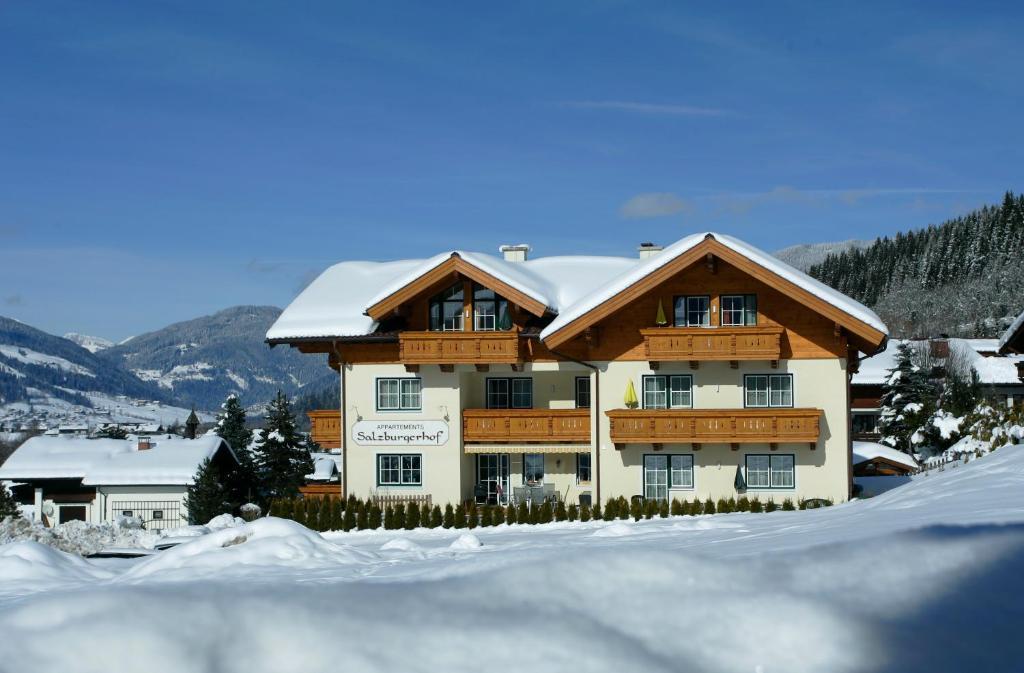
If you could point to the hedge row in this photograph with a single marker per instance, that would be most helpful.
(328, 513)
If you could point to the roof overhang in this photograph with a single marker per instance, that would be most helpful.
(455, 264)
(867, 338)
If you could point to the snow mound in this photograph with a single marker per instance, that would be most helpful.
(30, 562)
(466, 541)
(614, 530)
(79, 537)
(400, 544)
(267, 542)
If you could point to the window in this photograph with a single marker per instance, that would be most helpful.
(399, 470)
(398, 394)
(768, 390)
(582, 392)
(158, 514)
(692, 311)
(739, 309)
(668, 392)
(446, 310)
(510, 393)
(533, 468)
(490, 312)
(865, 423)
(582, 468)
(770, 471)
(664, 472)
(126, 512)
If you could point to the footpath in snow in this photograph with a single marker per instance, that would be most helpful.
(926, 577)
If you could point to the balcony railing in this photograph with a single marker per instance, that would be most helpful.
(452, 348)
(712, 343)
(325, 427)
(712, 426)
(526, 425)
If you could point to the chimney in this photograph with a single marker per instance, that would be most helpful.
(144, 444)
(939, 348)
(515, 253)
(648, 250)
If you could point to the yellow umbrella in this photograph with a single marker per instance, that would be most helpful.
(631, 399)
(660, 319)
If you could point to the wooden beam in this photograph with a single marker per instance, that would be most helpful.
(447, 368)
(814, 445)
(694, 364)
(734, 364)
(773, 446)
(709, 261)
(775, 364)
(483, 368)
(695, 446)
(412, 369)
(654, 365)
(734, 446)
(517, 367)
(657, 446)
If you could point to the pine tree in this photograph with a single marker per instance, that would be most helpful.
(595, 512)
(374, 517)
(560, 513)
(611, 509)
(486, 517)
(9, 506)
(544, 514)
(460, 516)
(231, 428)
(112, 431)
(337, 514)
(522, 512)
(399, 517)
(510, 515)
(425, 515)
(677, 507)
(207, 496)
(908, 398)
(572, 512)
(348, 522)
(412, 516)
(472, 516)
(636, 509)
(625, 510)
(449, 516)
(650, 509)
(389, 518)
(436, 519)
(324, 518)
(281, 458)
(362, 515)
(663, 509)
(585, 513)
(709, 506)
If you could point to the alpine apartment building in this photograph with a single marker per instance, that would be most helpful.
(704, 369)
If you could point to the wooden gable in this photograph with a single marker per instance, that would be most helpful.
(813, 328)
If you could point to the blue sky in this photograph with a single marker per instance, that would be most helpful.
(162, 160)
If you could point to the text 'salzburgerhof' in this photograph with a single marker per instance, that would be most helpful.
(402, 433)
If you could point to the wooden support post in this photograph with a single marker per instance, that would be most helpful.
(773, 446)
(657, 446)
(695, 446)
(814, 445)
(775, 364)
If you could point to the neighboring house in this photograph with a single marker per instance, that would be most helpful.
(871, 459)
(325, 480)
(665, 376)
(999, 373)
(66, 478)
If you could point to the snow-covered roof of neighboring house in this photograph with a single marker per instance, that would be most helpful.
(326, 467)
(1011, 331)
(865, 451)
(335, 304)
(110, 462)
(875, 369)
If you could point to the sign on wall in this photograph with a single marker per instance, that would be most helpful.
(400, 433)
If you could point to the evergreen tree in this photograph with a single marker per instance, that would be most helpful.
(449, 516)
(348, 521)
(412, 516)
(112, 431)
(510, 514)
(595, 512)
(545, 514)
(460, 516)
(389, 518)
(281, 458)
(436, 519)
(709, 506)
(362, 515)
(611, 509)
(585, 513)
(624, 508)
(207, 496)
(636, 509)
(374, 517)
(399, 519)
(337, 514)
(231, 428)
(9, 506)
(486, 517)
(663, 509)
(522, 512)
(907, 400)
(323, 519)
(572, 512)
(560, 513)
(472, 516)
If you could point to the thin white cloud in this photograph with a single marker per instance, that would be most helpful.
(654, 204)
(640, 107)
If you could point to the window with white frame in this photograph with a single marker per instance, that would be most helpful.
(768, 390)
(739, 309)
(533, 468)
(397, 469)
(399, 394)
(693, 311)
(446, 309)
(511, 393)
(775, 470)
(666, 471)
(668, 391)
(582, 392)
(490, 311)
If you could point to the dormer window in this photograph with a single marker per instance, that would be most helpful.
(490, 312)
(446, 310)
(739, 309)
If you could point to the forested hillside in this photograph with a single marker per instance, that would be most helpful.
(963, 277)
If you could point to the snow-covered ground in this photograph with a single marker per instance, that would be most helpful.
(926, 577)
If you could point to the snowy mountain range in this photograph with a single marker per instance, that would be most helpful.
(158, 376)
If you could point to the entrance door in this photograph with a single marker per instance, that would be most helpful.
(492, 474)
(71, 513)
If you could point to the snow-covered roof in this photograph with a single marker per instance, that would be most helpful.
(110, 462)
(991, 369)
(326, 467)
(648, 266)
(865, 451)
(335, 304)
(1014, 327)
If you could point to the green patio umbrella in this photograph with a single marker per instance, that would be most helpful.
(740, 483)
(504, 320)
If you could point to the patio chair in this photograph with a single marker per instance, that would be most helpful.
(586, 499)
(520, 494)
(550, 494)
(480, 494)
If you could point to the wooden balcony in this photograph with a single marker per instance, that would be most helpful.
(325, 428)
(714, 426)
(452, 348)
(526, 425)
(712, 343)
